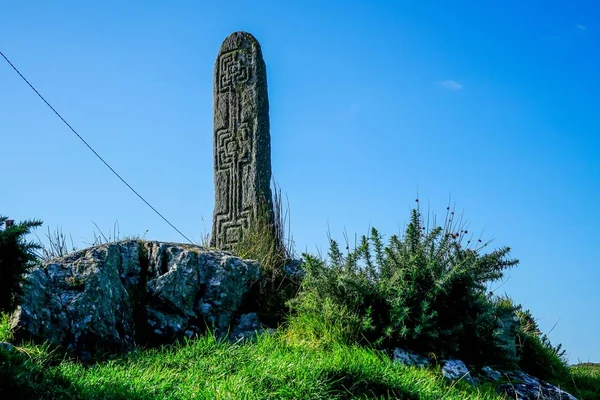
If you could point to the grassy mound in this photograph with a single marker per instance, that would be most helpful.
(424, 291)
(270, 368)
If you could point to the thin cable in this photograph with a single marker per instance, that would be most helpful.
(90, 147)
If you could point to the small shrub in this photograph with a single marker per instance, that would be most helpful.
(16, 257)
(424, 291)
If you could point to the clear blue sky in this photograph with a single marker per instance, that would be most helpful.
(492, 104)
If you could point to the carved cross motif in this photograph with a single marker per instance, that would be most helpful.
(242, 153)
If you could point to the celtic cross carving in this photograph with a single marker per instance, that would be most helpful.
(242, 154)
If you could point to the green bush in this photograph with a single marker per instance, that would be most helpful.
(425, 291)
(537, 356)
(16, 256)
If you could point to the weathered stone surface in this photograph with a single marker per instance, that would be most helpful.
(490, 374)
(115, 295)
(526, 387)
(247, 328)
(410, 359)
(454, 370)
(242, 142)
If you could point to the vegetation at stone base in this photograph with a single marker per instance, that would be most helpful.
(265, 242)
(206, 368)
(424, 292)
(16, 256)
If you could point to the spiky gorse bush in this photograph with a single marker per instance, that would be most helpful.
(424, 291)
(17, 255)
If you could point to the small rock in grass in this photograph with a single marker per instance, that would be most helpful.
(410, 359)
(453, 370)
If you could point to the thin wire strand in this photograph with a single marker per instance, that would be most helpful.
(90, 147)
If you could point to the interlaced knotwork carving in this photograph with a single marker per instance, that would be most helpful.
(241, 139)
(232, 71)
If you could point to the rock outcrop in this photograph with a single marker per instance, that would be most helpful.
(113, 296)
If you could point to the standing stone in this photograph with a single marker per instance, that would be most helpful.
(242, 142)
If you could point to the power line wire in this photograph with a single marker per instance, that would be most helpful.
(90, 147)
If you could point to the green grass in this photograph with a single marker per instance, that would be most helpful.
(286, 365)
(585, 381)
(5, 332)
(205, 368)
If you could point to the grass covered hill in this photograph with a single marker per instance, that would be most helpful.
(274, 367)
(334, 328)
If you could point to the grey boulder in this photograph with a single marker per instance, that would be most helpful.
(119, 294)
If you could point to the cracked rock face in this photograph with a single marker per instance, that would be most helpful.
(115, 295)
